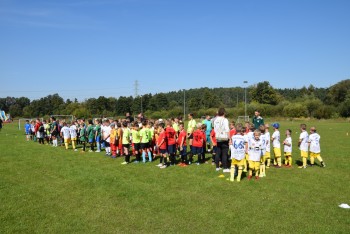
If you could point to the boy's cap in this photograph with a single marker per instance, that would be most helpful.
(113, 124)
(276, 125)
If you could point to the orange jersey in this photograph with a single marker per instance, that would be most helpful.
(182, 137)
(162, 137)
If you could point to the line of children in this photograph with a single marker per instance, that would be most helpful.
(168, 140)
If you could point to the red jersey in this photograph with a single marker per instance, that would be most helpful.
(162, 137)
(198, 138)
(213, 138)
(233, 132)
(170, 135)
(182, 136)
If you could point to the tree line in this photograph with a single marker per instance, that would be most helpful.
(331, 102)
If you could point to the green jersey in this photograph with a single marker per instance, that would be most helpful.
(126, 136)
(191, 126)
(98, 130)
(135, 136)
(91, 132)
(151, 134)
(144, 135)
(82, 134)
(176, 127)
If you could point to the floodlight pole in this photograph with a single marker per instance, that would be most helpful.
(184, 105)
(245, 98)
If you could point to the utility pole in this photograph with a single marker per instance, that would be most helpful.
(245, 99)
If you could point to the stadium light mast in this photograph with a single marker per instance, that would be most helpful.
(184, 105)
(245, 98)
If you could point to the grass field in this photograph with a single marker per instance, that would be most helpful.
(51, 190)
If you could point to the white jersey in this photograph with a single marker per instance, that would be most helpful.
(304, 137)
(238, 147)
(314, 140)
(106, 132)
(73, 131)
(66, 133)
(264, 142)
(221, 128)
(268, 145)
(255, 149)
(249, 136)
(276, 139)
(288, 149)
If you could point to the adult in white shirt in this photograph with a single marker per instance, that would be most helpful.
(222, 134)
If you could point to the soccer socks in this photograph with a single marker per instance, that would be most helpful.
(312, 160)
(144, 156)
(268, 160)
(150, 156)
(286, 160)
(99, 146)
(279, 161)
(161, 159)
(66, 144)
(232, 173)
(304, 162)
(240, 169)
(73, 144)
(290, 160)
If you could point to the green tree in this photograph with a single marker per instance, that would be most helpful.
(264, 93)
(338, 92)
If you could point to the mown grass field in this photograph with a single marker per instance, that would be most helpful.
(51, 190)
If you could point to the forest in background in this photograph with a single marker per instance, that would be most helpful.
(313, 102)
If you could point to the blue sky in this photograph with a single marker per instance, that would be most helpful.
(92, 48)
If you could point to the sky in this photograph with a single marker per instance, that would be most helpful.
(90, 48)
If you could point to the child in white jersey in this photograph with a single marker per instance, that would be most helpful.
(238, 149)
(276, 145)
(303, 144)
(287, 149)
(315, 149)
(65, 134)
(254, 148)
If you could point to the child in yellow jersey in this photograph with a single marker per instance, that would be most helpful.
(288, 149)
(144, 139)
(126, 142)
(136, 141)
(113, 140)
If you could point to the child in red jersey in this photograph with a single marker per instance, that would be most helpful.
(162, 146)
(181, 141)
(214, 142)
(171, 140)
(197, 143)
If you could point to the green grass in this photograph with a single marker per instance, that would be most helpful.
(45, 189)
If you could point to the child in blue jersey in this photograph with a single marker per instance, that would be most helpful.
(27, 129)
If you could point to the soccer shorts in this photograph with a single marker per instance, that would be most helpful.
(137, 146)
(237, 162)
(254, 165)
(277, 152)
(163, 151)
(197, 150)
(315, 155)
(303, 154)
(144, 146)
(126, 146)
(247, 157)
(67, 140)
(287, 154)
(91, 140)
(74, 139)
(172, 149)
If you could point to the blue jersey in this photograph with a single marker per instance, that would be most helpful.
(208, 124)
(27, 128)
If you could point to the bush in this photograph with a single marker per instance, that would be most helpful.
(295, 110)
